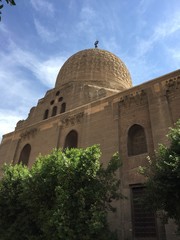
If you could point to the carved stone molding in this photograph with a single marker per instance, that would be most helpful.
(135, 98)
(172, 84)
(73, 119)
(28, 133)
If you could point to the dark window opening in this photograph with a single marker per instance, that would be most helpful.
(60, 99)
(57, 93)
(136, 140)
(54, 111)
(25, 153)
(63, 108)
(143, 219)
(71, 140)
(52, 102)
(46, 113)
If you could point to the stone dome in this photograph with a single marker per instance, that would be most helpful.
(95, 67)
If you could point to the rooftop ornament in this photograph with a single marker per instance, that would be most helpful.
(96, 44)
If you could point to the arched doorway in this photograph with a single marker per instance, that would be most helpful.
(71, 140)
(25, 154)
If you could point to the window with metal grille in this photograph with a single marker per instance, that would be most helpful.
(144, 221)
(54, 111)
(63, 107)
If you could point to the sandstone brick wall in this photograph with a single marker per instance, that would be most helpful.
(106, 121)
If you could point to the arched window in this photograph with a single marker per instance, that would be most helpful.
(25, 153)
(54, 111)
(136, 140)
(71, 140)
(63, 108)
(46, 113)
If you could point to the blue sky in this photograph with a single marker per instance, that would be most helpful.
(37, 37)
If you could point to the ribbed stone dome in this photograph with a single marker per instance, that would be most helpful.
(96, 67)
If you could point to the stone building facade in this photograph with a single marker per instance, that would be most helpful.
(94, 102)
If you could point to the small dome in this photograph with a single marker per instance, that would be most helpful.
(96, 67)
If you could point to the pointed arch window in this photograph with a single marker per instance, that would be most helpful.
(46, 114)
(63, 107)
(71, 140)
(25, 154)
(137, 143)
(54, 111)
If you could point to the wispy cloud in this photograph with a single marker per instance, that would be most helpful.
(87, 14)
(45, 70)
(45, 34)
(16, 97)
(48, 70)
(3, 28)
(19, 90)
(111, 43)
(162, 31)
(167, 28)
(8, 120)
(43, 6)
(174, 55)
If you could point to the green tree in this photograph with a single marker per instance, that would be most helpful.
(163, 177)
(11, 2)
(65, 195)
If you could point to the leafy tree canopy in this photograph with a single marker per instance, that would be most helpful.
(163, 177)
(65, 195)
(11, 2)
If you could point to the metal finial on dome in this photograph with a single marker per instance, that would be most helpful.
(96, 44)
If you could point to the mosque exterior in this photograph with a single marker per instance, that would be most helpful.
(94, 102)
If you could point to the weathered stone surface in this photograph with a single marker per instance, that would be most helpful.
(91, 84)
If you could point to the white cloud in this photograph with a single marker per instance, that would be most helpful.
(174, 55)
(12, 85)
(87, 14)
(162, 31)
(16, 96)
(3, 28)
(167, 28)
(8, 120)
(111, 43)
(45, 70)
(43, 6)
(140, 70)
(48, 70)
(44, 32)
(18, 86)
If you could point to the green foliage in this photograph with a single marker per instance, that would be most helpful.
(163, 177)
(65, 195)
(11, 2)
